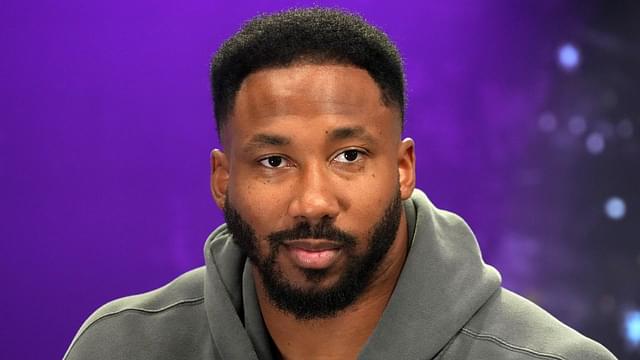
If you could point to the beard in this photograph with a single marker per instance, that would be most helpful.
(316, 302)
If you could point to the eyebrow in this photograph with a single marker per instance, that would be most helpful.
(259, 141)
(262, 140)
(344, 133)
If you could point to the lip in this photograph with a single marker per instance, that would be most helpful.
(313, 253)
(313, 244)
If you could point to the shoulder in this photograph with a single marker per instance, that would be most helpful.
(509, 323)
(185, 289)
(135, 322)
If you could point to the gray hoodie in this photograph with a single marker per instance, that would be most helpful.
(447, 304)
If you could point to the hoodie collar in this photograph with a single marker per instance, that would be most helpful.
(223, 296)
(444, 281)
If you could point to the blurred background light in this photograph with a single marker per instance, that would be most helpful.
(547, 122)
(632, 327)
(615, 208)
(625, 129)
(568, 57)
(577, 125)
(605, 128)
(595, 143)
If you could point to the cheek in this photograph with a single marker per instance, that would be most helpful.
(379, 186)
(368, 208)
(260, 206)
(368, 205)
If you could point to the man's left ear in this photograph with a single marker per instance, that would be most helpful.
(406, 168)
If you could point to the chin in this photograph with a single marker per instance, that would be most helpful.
(309, 279)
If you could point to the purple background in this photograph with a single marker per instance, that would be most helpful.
(106, 128)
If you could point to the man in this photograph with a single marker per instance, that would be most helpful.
(328, 251)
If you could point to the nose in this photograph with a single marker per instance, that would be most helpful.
(314, 198)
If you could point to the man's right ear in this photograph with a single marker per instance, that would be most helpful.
(219, 177)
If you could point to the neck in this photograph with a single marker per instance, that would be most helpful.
(344, 335)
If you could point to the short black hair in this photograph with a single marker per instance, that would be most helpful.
(311, 35)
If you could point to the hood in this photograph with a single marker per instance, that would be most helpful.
(443, 283)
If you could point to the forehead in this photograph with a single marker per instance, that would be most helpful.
(334, 95)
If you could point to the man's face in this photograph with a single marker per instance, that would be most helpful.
(311, 183)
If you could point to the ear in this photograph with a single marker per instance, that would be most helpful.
(406, 168)
(219, 176)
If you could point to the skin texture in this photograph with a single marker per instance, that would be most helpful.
(289, 158)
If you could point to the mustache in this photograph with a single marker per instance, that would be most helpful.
(304, 230)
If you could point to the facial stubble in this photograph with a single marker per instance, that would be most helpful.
(316, 302)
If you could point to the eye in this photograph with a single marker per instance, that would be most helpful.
(274, 162)
(349, 156)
